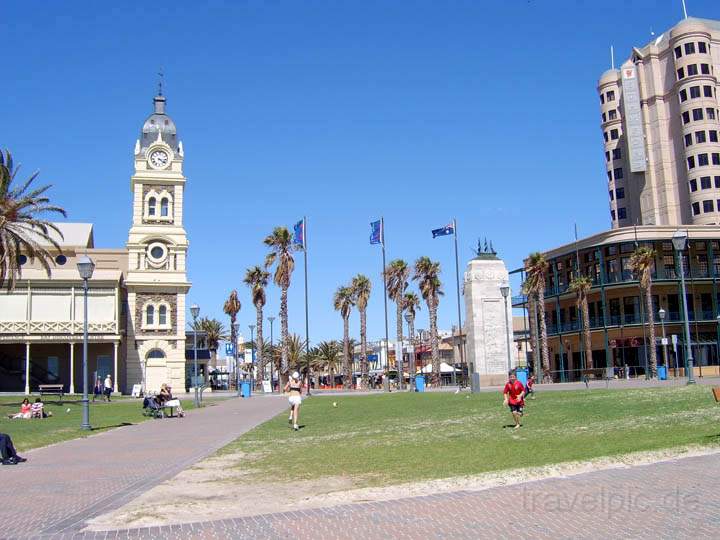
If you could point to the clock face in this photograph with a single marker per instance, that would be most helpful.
(159, 158)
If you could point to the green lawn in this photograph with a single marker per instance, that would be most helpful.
(387, 439)
(64, 424)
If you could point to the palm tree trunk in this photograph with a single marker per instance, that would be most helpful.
(411, 330)
(399, 336)
(363, 350)
(260, 344)
(432, 309)
(347, 374)
(543, 332)
(283, 337)
(651, 324)
(586, 334)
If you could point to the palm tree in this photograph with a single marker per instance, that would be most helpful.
(296, 353)
(257, 279)
(427, 274)
(532, 319)
(581, 285)
(214, 331)
(281, 248)
(411, 305)
(231, 307)
(343, 301)
(361, 287)
(22, 229)
(536, 268)
(397, 274)
(329, 355)
(641, 263)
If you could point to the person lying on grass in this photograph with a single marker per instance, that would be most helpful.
(513, 397)
(25, 410)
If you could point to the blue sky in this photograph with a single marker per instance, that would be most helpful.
(341, 111)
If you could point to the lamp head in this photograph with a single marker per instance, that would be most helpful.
(505, 290)
(194, 311)
(408, 318)
(679, 240)
(236, 327)
(86, 267)
(662, 314)
(251, 327)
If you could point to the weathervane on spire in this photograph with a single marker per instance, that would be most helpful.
(160, 82)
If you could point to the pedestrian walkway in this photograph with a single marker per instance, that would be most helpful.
(63, 485)
(674, 500)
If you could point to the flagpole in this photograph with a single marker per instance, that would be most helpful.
(307, 319)
(457, 285)
(387, 341)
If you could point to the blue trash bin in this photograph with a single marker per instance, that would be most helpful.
(245, 389)
(419, 383)
(662, 373)
(522, 375)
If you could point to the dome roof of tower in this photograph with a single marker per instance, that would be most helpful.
(159, 121)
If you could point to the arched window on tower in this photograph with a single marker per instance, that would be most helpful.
(152, 202)
(162, 315)
(155, 353)
(164, 207)
(150, 315)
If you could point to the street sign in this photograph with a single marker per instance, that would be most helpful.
(674, 341)
(664, 341)
(229, 349)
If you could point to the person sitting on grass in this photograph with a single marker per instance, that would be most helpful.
(166, 399)
(7, 451)
(38, 410)
(25, 410)
(513, 395)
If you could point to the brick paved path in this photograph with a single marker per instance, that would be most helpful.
(61, 486)
(674, 499)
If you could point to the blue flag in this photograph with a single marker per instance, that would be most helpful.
(299, 233)
(444, 231)
(377, 235)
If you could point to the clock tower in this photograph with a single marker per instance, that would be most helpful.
(157, 247)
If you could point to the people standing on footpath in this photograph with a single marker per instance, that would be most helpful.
(513, 397)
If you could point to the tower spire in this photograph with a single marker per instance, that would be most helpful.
(161, 76)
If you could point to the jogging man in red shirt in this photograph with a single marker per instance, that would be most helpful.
(513, 395)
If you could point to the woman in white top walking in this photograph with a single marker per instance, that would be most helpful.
(108, 384)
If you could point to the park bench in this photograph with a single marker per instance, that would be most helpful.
(53, 390)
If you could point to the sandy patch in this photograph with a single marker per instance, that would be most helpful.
(216, 489)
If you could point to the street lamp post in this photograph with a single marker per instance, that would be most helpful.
(194, 312)
(411, 356)
(272, 356)
(505, 291)
(661, 313)
(252, 354)
(680, 241)
(85, 267)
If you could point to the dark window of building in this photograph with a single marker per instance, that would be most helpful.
(694, 91)
(678, 51)
(703, 160)
(685, 117)
(606, 135)
(609, 176)
(713, 135)
(22, 259)
(717, 182)
(612, 214)
(691, 162)
(602, 99)
(689, 48)
(697, 114)
(688, 139)
(620, 193)
(612, 114)
(705, 182)
(60, 260)
(603, 117)
(692, 70)
(710, 113)
(715, 158)
(704, 69)
(622, 213)
(707, 91)
(693, 185)
(708, 206)
(618, 173)
(616, 154)
(607, 156)
(681, 73)
(614, 132)
(699, 137)
(695, 208)
(611, 95)
(683, 95)
(612, 195)
(702, 47)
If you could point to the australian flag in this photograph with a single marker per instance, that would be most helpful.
(377, 235)
(299, 234)
(444, 231)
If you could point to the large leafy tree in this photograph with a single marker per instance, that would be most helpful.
(411, 305)
(397, 274)
(361, 287)
(536, 268)
(427, 274)
(232, 307)
(641, 263)
(343, 301)
(581, 285)
(328, 353)
(257, 279)
(23, 229)
(281, 247)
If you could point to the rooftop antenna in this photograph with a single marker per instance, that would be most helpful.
(160, 82)
(612, 57)
(684, 9)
